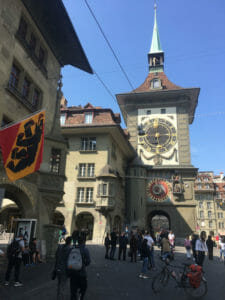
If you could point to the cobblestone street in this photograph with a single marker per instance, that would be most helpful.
(112, 280)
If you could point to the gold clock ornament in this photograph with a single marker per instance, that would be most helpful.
(158, 136)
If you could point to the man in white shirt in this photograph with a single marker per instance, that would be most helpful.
(201, 248)
(150, 243)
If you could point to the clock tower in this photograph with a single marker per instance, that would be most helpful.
(160, 181)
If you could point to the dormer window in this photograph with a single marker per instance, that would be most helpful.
(156, 83)
(88, 117)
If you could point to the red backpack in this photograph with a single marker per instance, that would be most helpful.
(195, 275)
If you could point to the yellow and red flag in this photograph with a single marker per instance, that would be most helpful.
(22, 146)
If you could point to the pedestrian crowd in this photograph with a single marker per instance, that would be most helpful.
(141, 247)
(72, 257)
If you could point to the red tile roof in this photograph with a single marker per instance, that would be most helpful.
(165, 82)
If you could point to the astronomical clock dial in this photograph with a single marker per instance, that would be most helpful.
(158, 190)
(159, 136)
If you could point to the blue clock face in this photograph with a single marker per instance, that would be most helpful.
(160, 136)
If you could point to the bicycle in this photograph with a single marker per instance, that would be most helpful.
(182, 280)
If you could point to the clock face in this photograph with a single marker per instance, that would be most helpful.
(158, 190)
(160, 136)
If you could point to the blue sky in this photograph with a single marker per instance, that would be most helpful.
(192, 37)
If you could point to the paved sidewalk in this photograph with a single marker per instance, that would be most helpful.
(112, 280)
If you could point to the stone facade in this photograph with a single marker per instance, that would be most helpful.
(98, 152)
(29, 75)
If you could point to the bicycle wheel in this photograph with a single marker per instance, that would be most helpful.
(160, 281)
(195, 292)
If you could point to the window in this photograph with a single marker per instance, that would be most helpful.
(41, 55)
(55, 160)
(163, 110)
(149, 112)
(199, 186)
(82, 170)
(218, 196)
(91, 170)
(88, 118)
(36, 98)
(62, 119)
(89, 195)
(200, 204)
(156, 83)
(220, 215)
(32, 43)
(92, 143)
(207, 186)
(221, 225)
(14, 77)
(104, 189)
(80, 194)
(88, 143)
(206, 179)
(25, 88)
(22, 28)
(199, 179)
(209, 214)
(210, 224)
(113, 150)
(201, 214)
(208, 205)
(218, 205)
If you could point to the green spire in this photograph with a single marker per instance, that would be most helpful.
(155, 46)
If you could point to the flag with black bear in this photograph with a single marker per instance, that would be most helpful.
(22, 146)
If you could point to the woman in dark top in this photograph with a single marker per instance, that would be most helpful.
(210, 244)
(133, 248)
(145, 252)
(35, 254)
(107, 245)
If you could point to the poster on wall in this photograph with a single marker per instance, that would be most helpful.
(24, 228)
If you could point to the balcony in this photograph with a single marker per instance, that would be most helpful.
(85, 203)
(105, 204)
(86, 177)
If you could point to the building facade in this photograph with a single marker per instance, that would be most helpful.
(160, 181)
(33, 48)
(98, 153)
(210, 197)
(206, 210)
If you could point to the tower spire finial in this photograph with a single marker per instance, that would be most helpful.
(156, 53)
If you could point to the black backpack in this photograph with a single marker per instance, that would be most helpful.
(13, 249)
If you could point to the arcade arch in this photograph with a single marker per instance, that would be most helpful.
(85, 222)
(16, 204)
(157, 220)
(58, 218)
(117, 224)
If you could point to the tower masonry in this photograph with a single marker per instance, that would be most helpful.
(160, 181)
